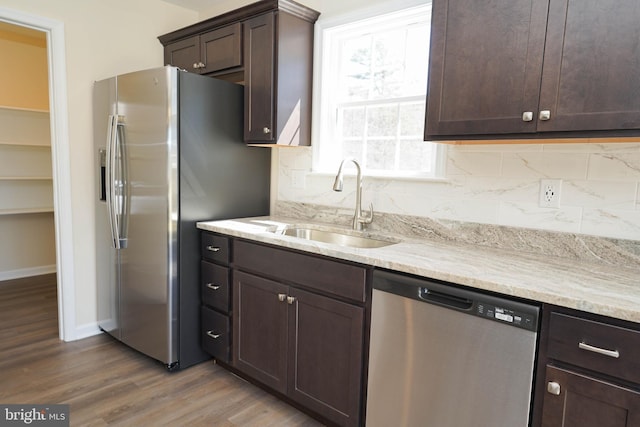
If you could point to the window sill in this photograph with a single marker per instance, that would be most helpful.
(366, 175)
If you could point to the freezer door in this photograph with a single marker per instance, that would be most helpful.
(107, 273)
(147, 110)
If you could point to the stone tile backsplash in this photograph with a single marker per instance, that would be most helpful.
(498, 185)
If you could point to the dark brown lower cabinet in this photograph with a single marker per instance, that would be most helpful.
(325, 355)
(588, 371)
(260, 329)
(215, 285)
(576, 400)
(215, 334)
(304, 345)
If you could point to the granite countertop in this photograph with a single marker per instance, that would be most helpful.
(608, 290)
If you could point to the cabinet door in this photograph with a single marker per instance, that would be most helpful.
(591, 76)
(221, 48)
(325, 356)
(586, 402)
(485, 66)
(259, 54)
(260, 329)
(184, 54)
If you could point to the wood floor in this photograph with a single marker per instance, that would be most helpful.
(107, 384)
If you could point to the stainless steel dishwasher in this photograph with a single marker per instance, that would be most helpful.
(444, 356)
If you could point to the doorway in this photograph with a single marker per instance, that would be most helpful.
(60, 162)
(27, 248)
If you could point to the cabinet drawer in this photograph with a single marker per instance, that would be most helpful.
(214, 247)
(215, 285)
(597, 346)
(325, 275)
(216, 334)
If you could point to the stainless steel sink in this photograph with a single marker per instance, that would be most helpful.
(336, 238)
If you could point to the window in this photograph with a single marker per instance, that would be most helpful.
(372, 95)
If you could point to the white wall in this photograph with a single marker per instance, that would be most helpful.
(327, 8)
(102, 38)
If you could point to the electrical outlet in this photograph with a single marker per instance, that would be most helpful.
(550, 193)
(298, 178)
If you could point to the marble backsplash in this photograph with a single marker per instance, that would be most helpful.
(579, 247)
(495, 184)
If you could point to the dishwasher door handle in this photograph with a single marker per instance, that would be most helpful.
(445, 299)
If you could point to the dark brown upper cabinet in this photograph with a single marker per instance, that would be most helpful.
(533, 69)
(184, 54)
(215, 50)
(266, 46)
(259, 53)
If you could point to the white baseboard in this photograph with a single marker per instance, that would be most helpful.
(85, 331)
(27, 272)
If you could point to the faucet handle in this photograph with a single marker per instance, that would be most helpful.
(368, 218)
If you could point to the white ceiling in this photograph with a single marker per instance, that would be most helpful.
(197, 5)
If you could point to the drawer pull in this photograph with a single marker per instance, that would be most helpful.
(213, 248)
(291, 300)
(553, 388)
(611, 353)
(212, 286)
(213, 335)
(282, 297)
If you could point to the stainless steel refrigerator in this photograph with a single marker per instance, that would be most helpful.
(169, 153)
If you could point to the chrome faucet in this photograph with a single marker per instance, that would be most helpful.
(359, 220)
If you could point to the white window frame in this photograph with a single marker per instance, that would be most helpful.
(323, 110)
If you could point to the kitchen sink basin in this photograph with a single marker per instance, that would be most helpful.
(336, 238)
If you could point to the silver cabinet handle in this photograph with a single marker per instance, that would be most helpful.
(213, 248)
(213, 335)
(201, 65)
(281, 297)
(553, 388)
(527, 116)
(266, 130)
(212, 286)
(196, 65)
(545, 115)
(290, 300)
(611, 353)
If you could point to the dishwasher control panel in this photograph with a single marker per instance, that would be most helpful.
(519, 314)
(506, 315)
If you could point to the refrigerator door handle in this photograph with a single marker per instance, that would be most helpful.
(110, 179)
(116, 179)
(124, 182)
